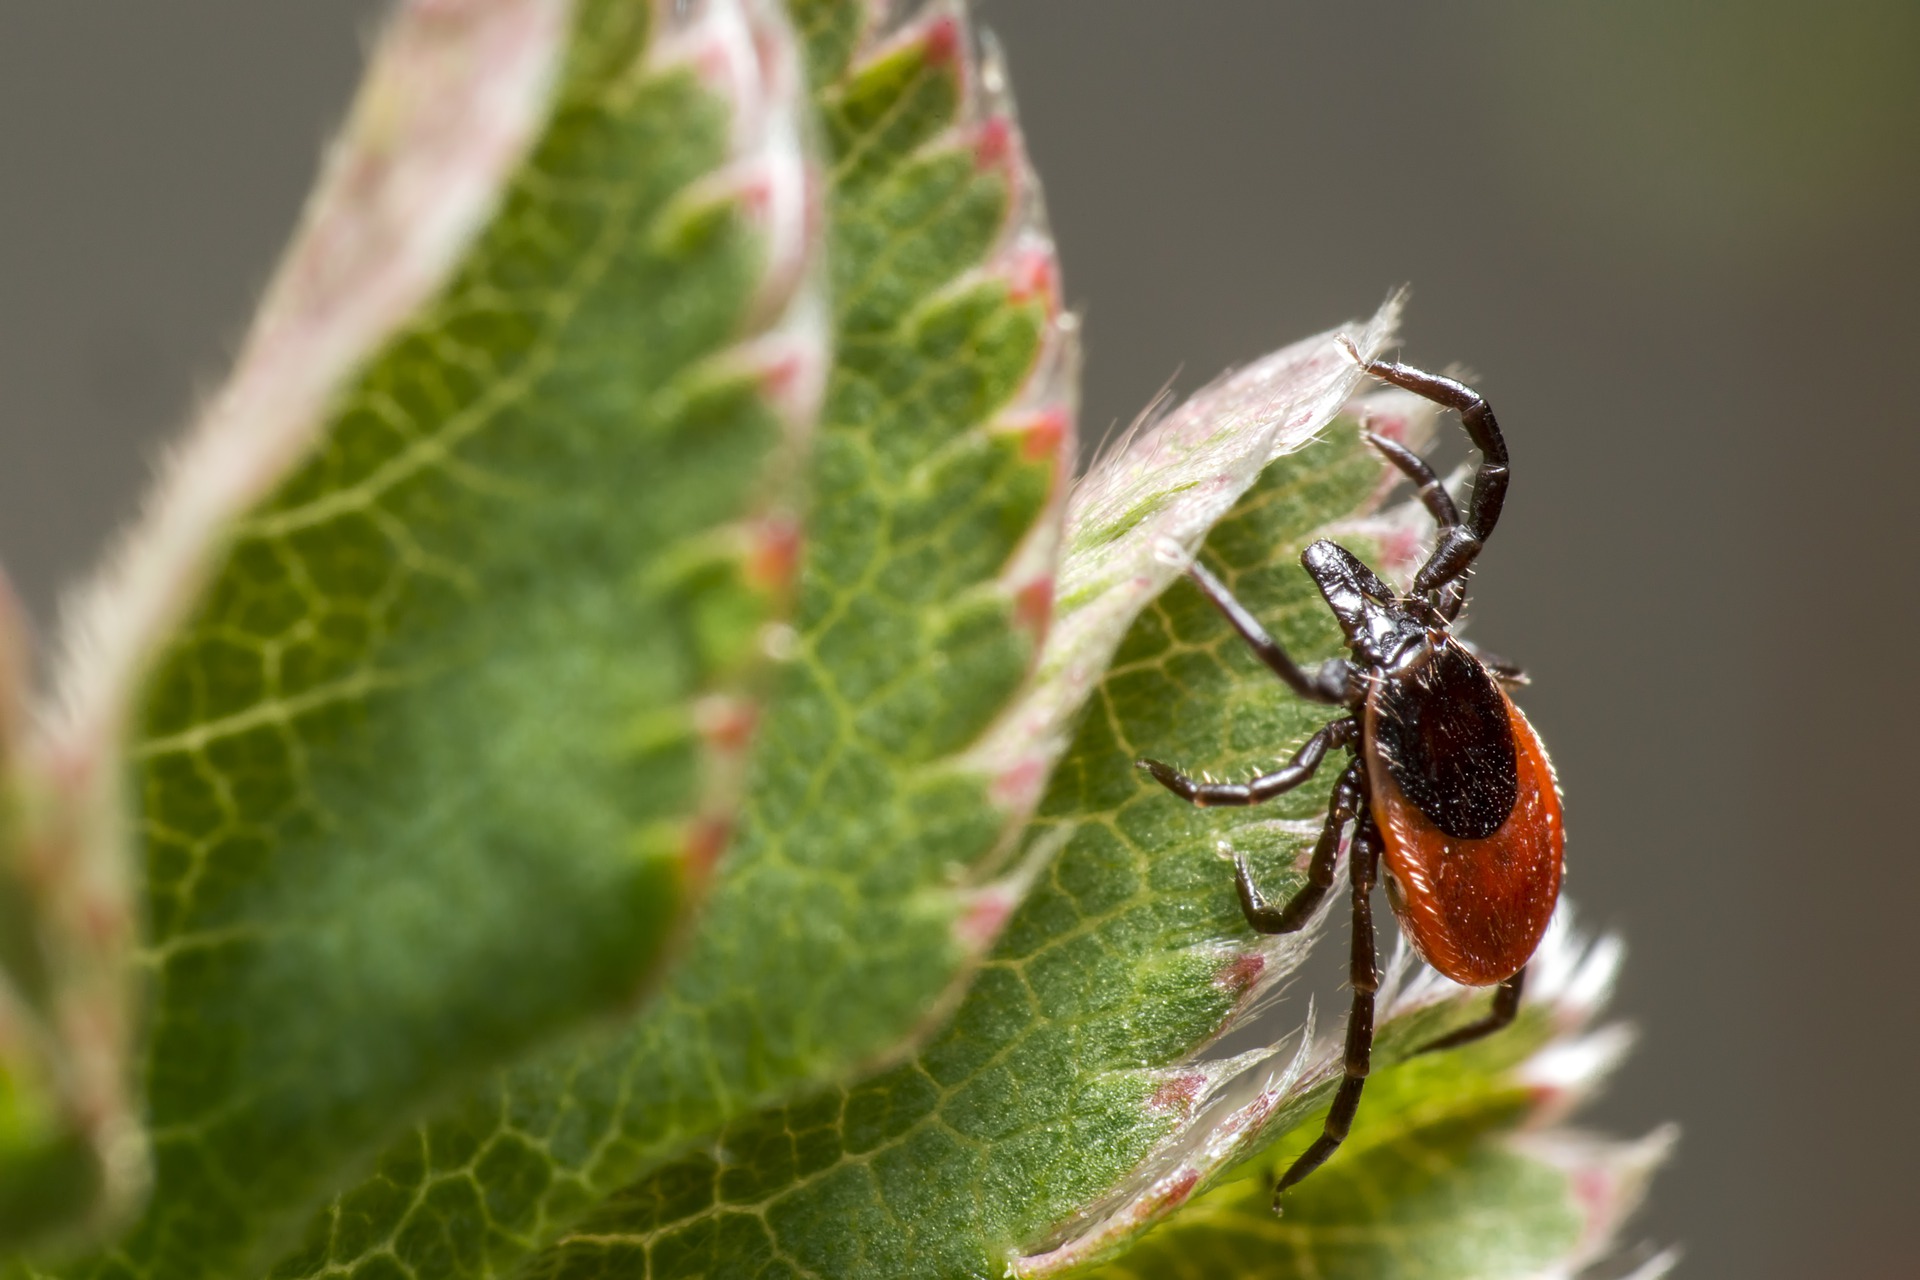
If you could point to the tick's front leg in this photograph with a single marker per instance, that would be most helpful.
(1265, 787)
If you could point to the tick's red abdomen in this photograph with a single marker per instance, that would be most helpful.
(1474, 909)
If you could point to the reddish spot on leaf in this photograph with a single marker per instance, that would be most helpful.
(1041, 433)
(1033, 275)
(714, 64)
(1594, 1189)
(1033, 607)
(790, 374)
(984, 918)
(993, 142)
(1240, 973)
(1178, 1094)
(1400, 550)
(726, 724)
(1392, 426)
(775, 553)
(756, 198)
(104, 919)
(941, 41)
(1017, 789)
(705, 841)
(1180, 1188)
(766, 44)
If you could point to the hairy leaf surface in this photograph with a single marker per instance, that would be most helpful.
(845, 907)
(1073, 1057)
(68, 1150)
(422, 778)
(1449, 1174)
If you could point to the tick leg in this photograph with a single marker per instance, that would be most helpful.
(1506, 1003)
(1362, 864)
(1265, 787)
(1433, 494)
(1439, 505)
(1266, 918)
(1329, 684)
(1459, 545)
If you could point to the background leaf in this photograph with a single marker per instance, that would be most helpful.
(422, 777)
(1078, 1054)
(846, 906)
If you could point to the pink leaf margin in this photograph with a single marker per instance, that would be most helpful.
(1571, 978)
(455, 94)
(1136, 519)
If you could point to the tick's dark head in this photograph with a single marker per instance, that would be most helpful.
(1382, 628)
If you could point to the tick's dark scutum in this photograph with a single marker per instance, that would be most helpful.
(1446, 738)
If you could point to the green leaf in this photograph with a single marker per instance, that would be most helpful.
(1448, 1174)
(435, 761)
(1076, 1057)
(69, 1147)
(849, 902)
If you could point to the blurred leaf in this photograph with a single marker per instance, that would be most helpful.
(846, 906)
(437, 758)
(68, 1144)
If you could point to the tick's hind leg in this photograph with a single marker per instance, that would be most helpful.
(1265, 787)
(1506, 1004)
(1266, 918)
(1363, 863)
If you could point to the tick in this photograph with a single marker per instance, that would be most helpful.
(1446, 782)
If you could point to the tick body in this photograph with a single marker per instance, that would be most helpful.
(1446, 788)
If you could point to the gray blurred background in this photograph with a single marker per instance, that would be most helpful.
(1675, 243)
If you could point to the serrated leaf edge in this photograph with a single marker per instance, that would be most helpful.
(453, 98)
(455, 94)
(740, 51)
(1570, 978)
(1113, 567)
